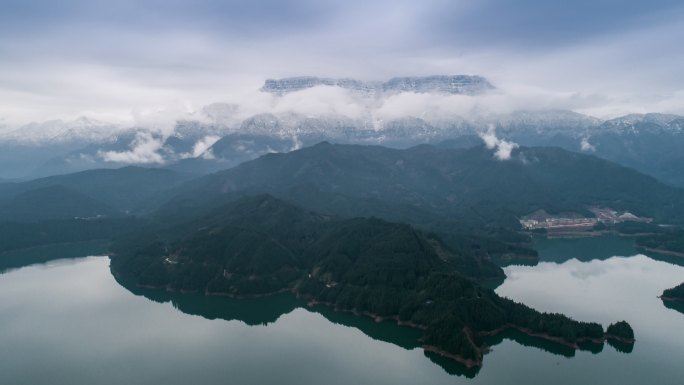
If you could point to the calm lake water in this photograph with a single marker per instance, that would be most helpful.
(69, 322)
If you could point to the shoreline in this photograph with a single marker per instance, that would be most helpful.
(470, 363)
(467, 362)
(544, 336)
(216, 294)
(660, 251)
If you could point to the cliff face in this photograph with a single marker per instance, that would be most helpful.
(457, 84)
(445, 84)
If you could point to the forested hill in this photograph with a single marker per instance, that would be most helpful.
(426, 185)
(264, 226)
(261, 245)
(105, 192)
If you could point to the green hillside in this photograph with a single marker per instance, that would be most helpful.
(124, 190)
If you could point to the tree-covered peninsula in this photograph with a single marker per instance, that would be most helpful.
(260, 245)
(674, 294)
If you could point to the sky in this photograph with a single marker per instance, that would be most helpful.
(127, 58)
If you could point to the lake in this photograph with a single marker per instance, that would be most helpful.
(69, 321)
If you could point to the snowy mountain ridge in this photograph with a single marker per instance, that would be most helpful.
(445, 84)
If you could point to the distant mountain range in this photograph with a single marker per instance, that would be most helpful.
(222, 135)
(427, 185)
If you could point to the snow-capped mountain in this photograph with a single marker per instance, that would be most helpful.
(545, 122)
(636, 123)
(82, 129)
(221, 135)
(446, 84)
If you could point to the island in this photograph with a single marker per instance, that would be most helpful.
(620, 331)
(259, 245)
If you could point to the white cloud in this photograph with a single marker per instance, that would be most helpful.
(490, 139)
(503, 152)
(201, 147)
(586, 146)
(138, 70)
(502, 148)
(143, 150)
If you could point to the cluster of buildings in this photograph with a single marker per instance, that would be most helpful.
(542, 220)
(551, 223)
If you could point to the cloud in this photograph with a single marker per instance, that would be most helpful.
(490, 139)
(200, 148)
(143, 150)
(112, 60)
(586, 146)
(502, 148)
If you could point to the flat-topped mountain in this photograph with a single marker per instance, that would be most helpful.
(446, 84)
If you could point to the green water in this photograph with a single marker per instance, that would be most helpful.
(69, 322)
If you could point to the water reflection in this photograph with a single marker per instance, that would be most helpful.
(563, 283)
(621, 347)
(266, 310)
(258, 311)
(530, 341)
(11, 260)
(674, 305)
(672, 259)
(78, 325)
(452, 367)
(586, 249)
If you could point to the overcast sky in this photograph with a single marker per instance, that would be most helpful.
(109, 59)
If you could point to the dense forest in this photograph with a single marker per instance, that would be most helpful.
(464, 196)
(262, 245)
(429, 186)
(620, 331)
(670, 240)
(20, 235)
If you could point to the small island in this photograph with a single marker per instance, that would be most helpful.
(620, 331)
